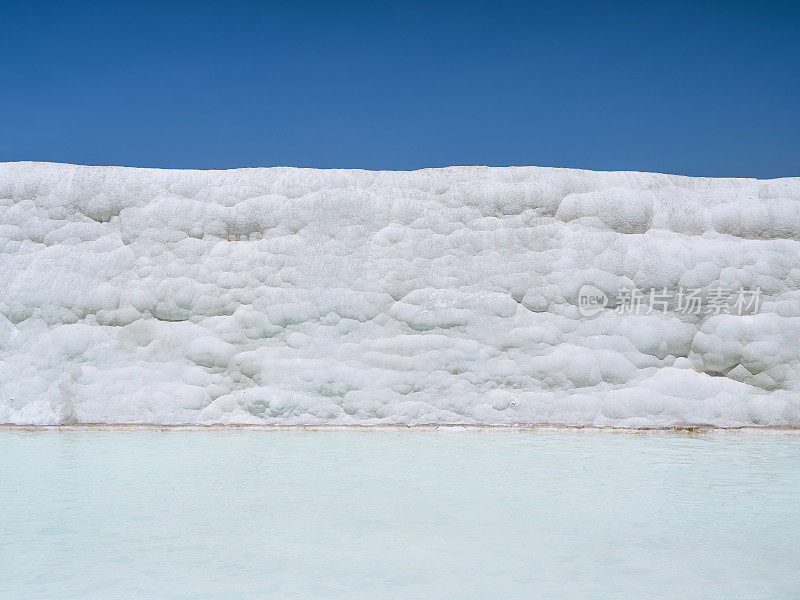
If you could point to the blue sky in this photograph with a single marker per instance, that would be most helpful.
(679, 87)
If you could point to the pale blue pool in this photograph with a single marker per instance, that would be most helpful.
(398, 514)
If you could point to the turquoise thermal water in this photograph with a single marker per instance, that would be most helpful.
(398, 514)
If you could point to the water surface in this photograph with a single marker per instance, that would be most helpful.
(398, 514)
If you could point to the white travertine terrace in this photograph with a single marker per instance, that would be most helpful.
(303, 296)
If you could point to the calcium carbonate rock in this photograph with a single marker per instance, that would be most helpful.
(303, 296)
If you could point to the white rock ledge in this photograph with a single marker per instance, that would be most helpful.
(340, 297)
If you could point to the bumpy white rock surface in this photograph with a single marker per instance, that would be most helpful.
(301, 296)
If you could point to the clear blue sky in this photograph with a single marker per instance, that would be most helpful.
(681, 87)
